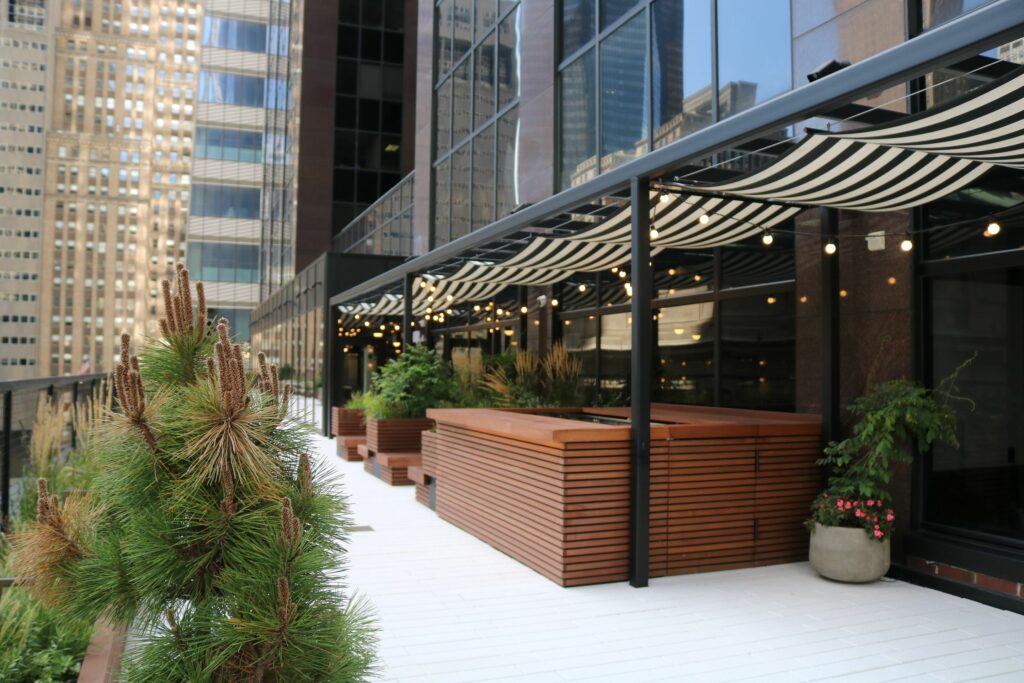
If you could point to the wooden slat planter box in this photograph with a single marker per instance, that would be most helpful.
(102, 663)
(422, 482)
(728, 488)
(348, 421)
(395, 436)
(392, 468)
(348, 447)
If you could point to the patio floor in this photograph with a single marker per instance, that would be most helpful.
(453, 609)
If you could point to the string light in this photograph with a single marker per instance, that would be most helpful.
(554, 303)
(907, 244)
(582, 288)
(524, 310)
(767, 238)
(704, 219)
(654, 233)
(993, 229)
(664, 198)
(830, 247)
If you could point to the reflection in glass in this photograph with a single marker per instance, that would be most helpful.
(461, 165)
(611, 10)
(616, 342)
(682, 69)
(751, 262)
(754, 53)
(759, 353)
(580, 339)
(483, 177)
(624, 94)
(578, 121)
(684, 273)
(684, 372)
(442, 201)
(979, 486)
(444, 118)
(461, 104)
(443, 46)
(935, 12)
(462, 28)
(484, 88)
(486, 14)
(578, 25)
(508, 163)
(508, 59)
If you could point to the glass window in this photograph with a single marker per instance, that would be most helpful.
(508, 59)
(580, 339)
(578, 25)
(579, 121)
(443, 45)
(239, 320)
(751, 263)
(224, 262)
(759, 353)
(486, 14)
(935, 12)
(229, 145)
(225, 201)
(247, 91)
(442, 202)
(616, 342)
(444, 117)
(681, 87)
(484, 88)
(462, 28)
(461, 103)
(508, 163)
(234, 34)
(623, 86)
(483, 177)
(754, 53)
(612, 10)
(461, 165)
(979, 485)
(684, 371)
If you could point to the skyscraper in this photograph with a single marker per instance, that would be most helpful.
(25, 61)
(118, 174)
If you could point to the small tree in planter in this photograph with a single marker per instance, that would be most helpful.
(852, 521)
(404, 389)
(207, 529)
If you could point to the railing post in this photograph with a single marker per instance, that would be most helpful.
(5, 463)
(74, 404)
(640, 379)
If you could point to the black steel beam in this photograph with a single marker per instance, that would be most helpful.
(5, 462)
(640, 386)
(829, 327)
(407, 319)
(966, 36)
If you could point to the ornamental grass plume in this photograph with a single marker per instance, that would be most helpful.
(218, 541)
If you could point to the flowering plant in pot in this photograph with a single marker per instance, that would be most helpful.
(852, 520)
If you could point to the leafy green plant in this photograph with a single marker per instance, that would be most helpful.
(532, 381)
(207, 530)
(408, 385)
(357, 401)
(896, 421)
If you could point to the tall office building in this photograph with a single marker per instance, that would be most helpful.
(25, 61)
(118, 174)
(243, 171)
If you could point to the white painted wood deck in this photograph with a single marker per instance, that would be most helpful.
(452, 609)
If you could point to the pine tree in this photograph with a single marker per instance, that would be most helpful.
(207, 530)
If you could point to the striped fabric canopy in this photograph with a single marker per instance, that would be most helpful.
(888, 167)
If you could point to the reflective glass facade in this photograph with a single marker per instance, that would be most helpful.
(477, 64)
(635, 75)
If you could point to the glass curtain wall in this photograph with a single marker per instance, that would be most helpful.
(638, 74)
(724, 325)
(476, 98)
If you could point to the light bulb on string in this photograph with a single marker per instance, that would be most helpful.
(654, 233)
(993, 229)
(906, 244)
(830, 247)
(524, 310)
(664, 198)
(582, 288)
(704, 219)
(767, 238)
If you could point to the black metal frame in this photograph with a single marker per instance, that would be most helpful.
(640, 399)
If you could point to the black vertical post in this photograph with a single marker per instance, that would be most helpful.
(407, 320)
(829, 327)
(598, 279)
(522, 300)
(5, 463)
(640, 375)
(74, 405)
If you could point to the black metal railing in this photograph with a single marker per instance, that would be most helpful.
(21, 400)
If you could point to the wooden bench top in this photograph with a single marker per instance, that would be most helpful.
(672, 422)
(399, 459)
(351, 441)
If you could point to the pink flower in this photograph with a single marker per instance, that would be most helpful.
(870, 502)
(855, 503)
(889, 517)
(859, 513)
(848, 505)
(876, 526)
(878, 534)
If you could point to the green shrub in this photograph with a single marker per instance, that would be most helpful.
(532, 381)
(407, 386)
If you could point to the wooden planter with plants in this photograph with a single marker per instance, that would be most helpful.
(348, 421)
(396, 410)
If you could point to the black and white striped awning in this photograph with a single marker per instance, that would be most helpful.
(888, 167)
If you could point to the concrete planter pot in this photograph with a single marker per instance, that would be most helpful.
(847, 554)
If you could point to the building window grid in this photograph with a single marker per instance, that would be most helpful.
(445, 160)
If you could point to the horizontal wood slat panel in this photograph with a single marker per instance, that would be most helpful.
(734, 493)
(348, 421)
(395, 435)
(348, 447)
